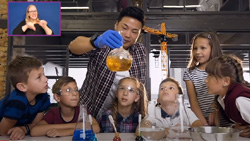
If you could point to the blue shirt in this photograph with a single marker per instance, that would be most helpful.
(166, 115)
(16, 106)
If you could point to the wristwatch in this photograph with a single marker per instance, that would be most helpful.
(92, 40)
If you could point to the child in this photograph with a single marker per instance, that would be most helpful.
(225, 79)
(131, 100)
(61, 121)
(24, 107)
(168, 90)
(205, 46)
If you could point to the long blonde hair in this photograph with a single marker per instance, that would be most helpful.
(27, 18)
(139, 106)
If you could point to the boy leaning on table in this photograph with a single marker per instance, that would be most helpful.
(61, 121)
(24, 107)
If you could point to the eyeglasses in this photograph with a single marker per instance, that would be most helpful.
(34, 11)
(68, 91)
(131, 90)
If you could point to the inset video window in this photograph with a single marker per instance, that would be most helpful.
(34, 19)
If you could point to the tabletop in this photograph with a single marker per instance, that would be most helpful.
(100, 137)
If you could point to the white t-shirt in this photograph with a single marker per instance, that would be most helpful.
(166, 121)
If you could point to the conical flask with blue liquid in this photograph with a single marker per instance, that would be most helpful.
(83, 130)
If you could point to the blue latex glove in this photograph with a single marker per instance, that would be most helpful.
(110, 38)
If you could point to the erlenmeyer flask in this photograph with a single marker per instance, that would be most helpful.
(119, 59)
(151, 127)
(83, 130)
(179, 122)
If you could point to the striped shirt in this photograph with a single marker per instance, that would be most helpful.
(16, 106)
(198, 78)
(205, 100)
(123, 125)
(99, 78)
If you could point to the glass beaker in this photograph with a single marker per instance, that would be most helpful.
(179, 122)
(151, 127)
(83, 130)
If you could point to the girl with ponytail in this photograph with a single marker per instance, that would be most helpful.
(225, 79)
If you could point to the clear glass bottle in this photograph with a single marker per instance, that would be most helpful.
(151, 127)
(119, 59)
(179, 122)
(83, 130)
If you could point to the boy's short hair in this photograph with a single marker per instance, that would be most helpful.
(19, 68)
(170, 79)
(61, 82)
(133, 12)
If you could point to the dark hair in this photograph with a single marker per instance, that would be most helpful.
(214, 44)
(227, 66)
(19, 68)
(139, 106)
(133, 12)
(61, 82)
(169, 79)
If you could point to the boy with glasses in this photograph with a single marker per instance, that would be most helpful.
(61, 121)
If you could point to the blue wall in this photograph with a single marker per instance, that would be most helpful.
(48, 11)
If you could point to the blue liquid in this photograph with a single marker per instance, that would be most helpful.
(78, 135)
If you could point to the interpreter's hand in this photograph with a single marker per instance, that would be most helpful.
(245, 130)
(16, 133)
(110, 38)
(42, 23)
(30, 25)
(53, 133)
